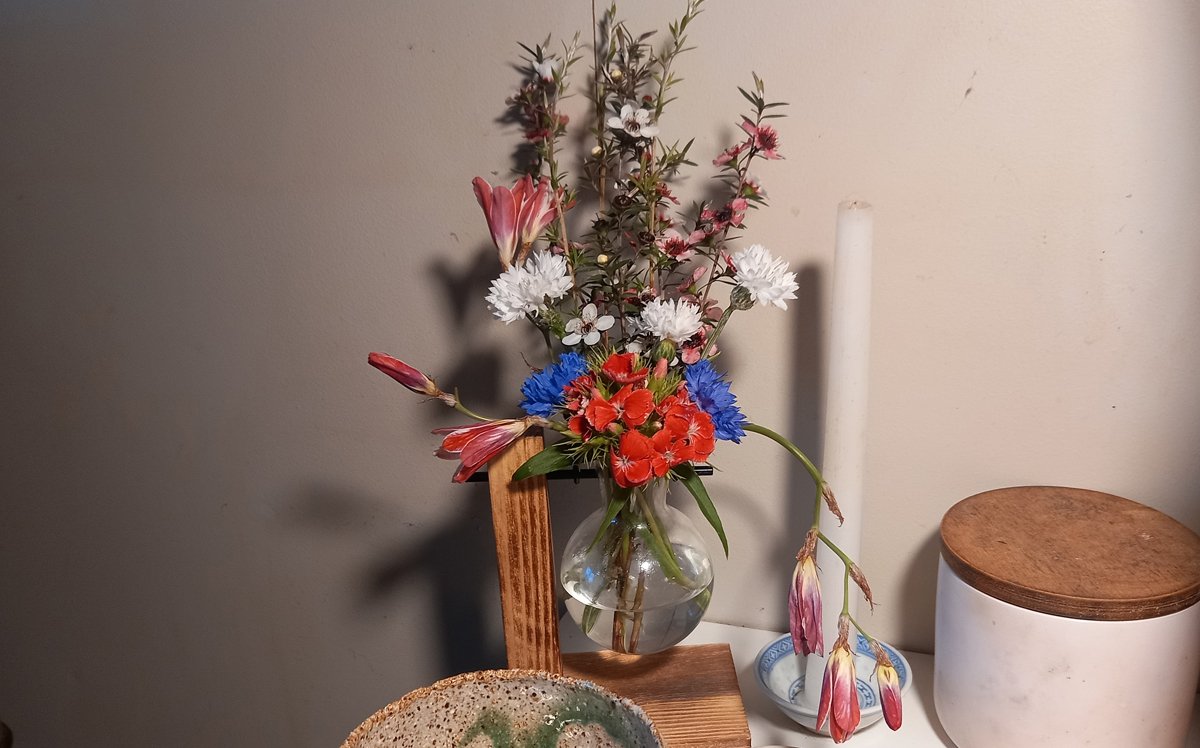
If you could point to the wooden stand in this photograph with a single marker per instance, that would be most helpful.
(691, 692)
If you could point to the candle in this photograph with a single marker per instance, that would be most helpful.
(845, 446)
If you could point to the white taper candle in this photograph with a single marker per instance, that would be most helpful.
(845, 445)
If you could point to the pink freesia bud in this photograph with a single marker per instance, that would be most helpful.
(479, 442)
(889, 686)
(406, 375)
(839, 690)
(804, 602)
(516, 217)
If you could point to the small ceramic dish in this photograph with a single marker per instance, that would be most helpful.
(508, 708)
(780, 674)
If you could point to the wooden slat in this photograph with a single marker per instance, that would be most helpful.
(690, 692)
(525, 555)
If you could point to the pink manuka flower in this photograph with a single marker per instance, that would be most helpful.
(677, 246)
(839, 690)
(728, 154)
(479, 442)
(413, 379)
(763, 137)
(804, 601)
(889, 686)
(518, 216)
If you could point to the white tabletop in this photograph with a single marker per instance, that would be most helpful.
(769, 727)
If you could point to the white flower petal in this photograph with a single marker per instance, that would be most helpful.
(765, 277)
(592, 338)
(572, 339)
(605, 322)
(675, 320)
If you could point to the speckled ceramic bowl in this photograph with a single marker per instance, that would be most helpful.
(508, 709)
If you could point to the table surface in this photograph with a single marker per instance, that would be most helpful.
(769, 726)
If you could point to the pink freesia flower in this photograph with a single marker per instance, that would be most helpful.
(516, 217)
(763, 137)
(804, 602)
(889, 686)
(479, 442)
(839, 692)
(411, 378)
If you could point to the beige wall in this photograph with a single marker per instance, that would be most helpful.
(219, 526)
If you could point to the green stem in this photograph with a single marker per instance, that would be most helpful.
(792, 449)
(716, 331)
(466, 411)
(659, 543)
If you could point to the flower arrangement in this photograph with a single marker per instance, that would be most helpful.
(631, 301)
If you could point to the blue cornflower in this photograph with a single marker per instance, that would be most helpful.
(712, 394)
(543, 390)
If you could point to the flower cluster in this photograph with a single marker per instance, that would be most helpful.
(631, 293)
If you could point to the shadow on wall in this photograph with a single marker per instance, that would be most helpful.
(459, 561)
(919, 592)
(804, 428)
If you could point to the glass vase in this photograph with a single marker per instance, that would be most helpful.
(637, 575)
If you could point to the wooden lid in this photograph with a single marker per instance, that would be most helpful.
(1072, 552)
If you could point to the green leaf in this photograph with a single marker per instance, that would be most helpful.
(549, 459)
(687, 476)
(590, 614)
(619, 499)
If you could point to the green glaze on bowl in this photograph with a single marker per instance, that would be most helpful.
(508, 709)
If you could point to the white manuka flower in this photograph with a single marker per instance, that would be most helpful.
(587, 326)
(675, 320)
(545, 69)
(526, 289)
(764, 277)
(634, 121)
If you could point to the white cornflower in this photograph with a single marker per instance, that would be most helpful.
(587, 326)
(549, 275)
(525, 289)
(675, 320)
(634, 121)
(764, 277)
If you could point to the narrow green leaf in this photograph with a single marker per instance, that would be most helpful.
(687, 476)
(590, 614)
(620, 496)
(549, 459)
(749, 98)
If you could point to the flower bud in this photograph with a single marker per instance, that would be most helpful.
(615, 74)
(740, 299)
(597, 151)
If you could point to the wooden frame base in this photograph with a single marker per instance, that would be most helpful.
(691, 692)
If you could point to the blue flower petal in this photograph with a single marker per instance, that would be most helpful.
(711, 393)
(543, 390)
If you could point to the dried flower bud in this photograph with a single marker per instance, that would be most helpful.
(601, 259)
(831, 502)
(646, 237)
(616, 74)
(597, 151)
(861, 580)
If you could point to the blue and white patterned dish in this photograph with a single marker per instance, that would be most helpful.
(779, 672)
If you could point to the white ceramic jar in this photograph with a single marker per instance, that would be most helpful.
(1065, 618)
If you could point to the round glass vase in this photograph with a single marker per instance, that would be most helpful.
(637, 575)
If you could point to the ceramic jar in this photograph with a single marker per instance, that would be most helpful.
(1065, 617)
